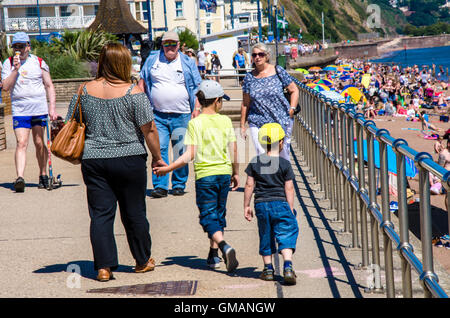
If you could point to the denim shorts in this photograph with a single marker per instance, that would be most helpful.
(29, 121)
(211, 198)
(276, 223)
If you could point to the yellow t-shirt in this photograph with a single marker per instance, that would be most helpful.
(211, 134)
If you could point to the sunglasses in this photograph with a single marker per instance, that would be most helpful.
(260, 54)
(168, 44)
(19, 46)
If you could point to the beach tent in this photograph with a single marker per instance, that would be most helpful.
(411, 169)
(314, 69)
(354, 93)
(365, 80)
(302, 70)
(333, 95)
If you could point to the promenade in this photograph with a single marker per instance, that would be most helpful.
(45, 249)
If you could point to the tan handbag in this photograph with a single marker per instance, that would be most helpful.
(69, 142)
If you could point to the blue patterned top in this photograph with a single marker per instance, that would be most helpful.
(268, 104)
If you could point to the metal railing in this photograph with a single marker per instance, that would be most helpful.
(325, 132)
(48, 23)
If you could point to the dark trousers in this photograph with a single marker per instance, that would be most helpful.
(108, 182)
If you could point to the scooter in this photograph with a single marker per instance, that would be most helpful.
(53, 182)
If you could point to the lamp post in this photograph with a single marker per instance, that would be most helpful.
(275, 4)
(149, 20)
(259, 20)
(39, 18)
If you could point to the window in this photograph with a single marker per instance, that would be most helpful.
(64, 11)
(31, 12)
(95, 9)
(208, 28)
(179, 9)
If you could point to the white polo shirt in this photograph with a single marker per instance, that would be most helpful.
(169, 93)
(28, 95)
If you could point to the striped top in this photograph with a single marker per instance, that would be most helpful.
(113, 125)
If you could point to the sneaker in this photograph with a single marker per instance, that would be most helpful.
(289, 276)
(447, 245)
(43, 182)
(213, 262)
(178, 192)
(445, 237)
(439, 244)
(159, 193)
(267, 274)
(230, 258)
(19, 184)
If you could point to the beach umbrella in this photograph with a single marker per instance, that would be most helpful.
(344, 78)
(314, 69)
(324, 82)
(319, 87)
(330, 68)
(333, 95)
(302, 70)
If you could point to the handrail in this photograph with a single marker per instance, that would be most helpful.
(325, 134)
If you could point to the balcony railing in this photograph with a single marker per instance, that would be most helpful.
(48, 23)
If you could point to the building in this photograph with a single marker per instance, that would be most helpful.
(59, 15)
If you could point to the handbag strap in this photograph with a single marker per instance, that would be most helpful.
(78, 103)
(279, 77)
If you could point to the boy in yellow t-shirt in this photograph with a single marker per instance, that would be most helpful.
(210, 139)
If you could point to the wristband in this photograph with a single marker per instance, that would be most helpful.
(293, 108)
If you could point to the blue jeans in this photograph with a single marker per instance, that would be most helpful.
(276, 222)
(211, 198)
(171, 129)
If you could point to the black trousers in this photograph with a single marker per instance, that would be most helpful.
(108, 182)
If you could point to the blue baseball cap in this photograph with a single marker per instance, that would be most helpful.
(20, 37)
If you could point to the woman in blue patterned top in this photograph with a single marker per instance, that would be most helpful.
(119, 121)
(264, 101)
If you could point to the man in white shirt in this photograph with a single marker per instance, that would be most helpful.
(201, 58)
(170, 79)
(27, 77)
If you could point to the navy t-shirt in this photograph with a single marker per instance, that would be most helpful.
(270, 174)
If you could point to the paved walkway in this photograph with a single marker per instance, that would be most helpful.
(44, 242)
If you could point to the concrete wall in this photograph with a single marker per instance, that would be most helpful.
(357, 50)
(425, 41)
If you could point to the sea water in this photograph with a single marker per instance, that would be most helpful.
(439, 56)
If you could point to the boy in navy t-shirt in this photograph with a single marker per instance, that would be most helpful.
(271, 178)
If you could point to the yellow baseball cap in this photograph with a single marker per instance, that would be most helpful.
(270, 133)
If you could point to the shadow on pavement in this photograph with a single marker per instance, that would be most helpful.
(84, 268)
(194, 262)
(320, 243)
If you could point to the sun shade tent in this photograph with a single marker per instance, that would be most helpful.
(354, 93)
(114, 17)
(411, 169)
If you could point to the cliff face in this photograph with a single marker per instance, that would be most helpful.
(344, 19)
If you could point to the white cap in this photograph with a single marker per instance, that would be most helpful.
(212, 89)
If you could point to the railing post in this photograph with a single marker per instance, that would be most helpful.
(338, 163)
(362, 191)
(403, 218)
(373, 205)
(425, 222)
(353, 179)
(345, 167)
(388, 261)
(331, 156)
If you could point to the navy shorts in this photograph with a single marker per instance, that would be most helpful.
(276, 223)
(29, 121)
(211, 198)
(201, 68)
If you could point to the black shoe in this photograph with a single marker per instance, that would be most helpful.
(178, 191)
(19, 184)
(230, 258)
(43, 182)
(267, 274)
(159, 193)
(289, 276)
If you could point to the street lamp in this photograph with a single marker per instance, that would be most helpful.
(149, 20)
(275, 4)
(39, 18)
